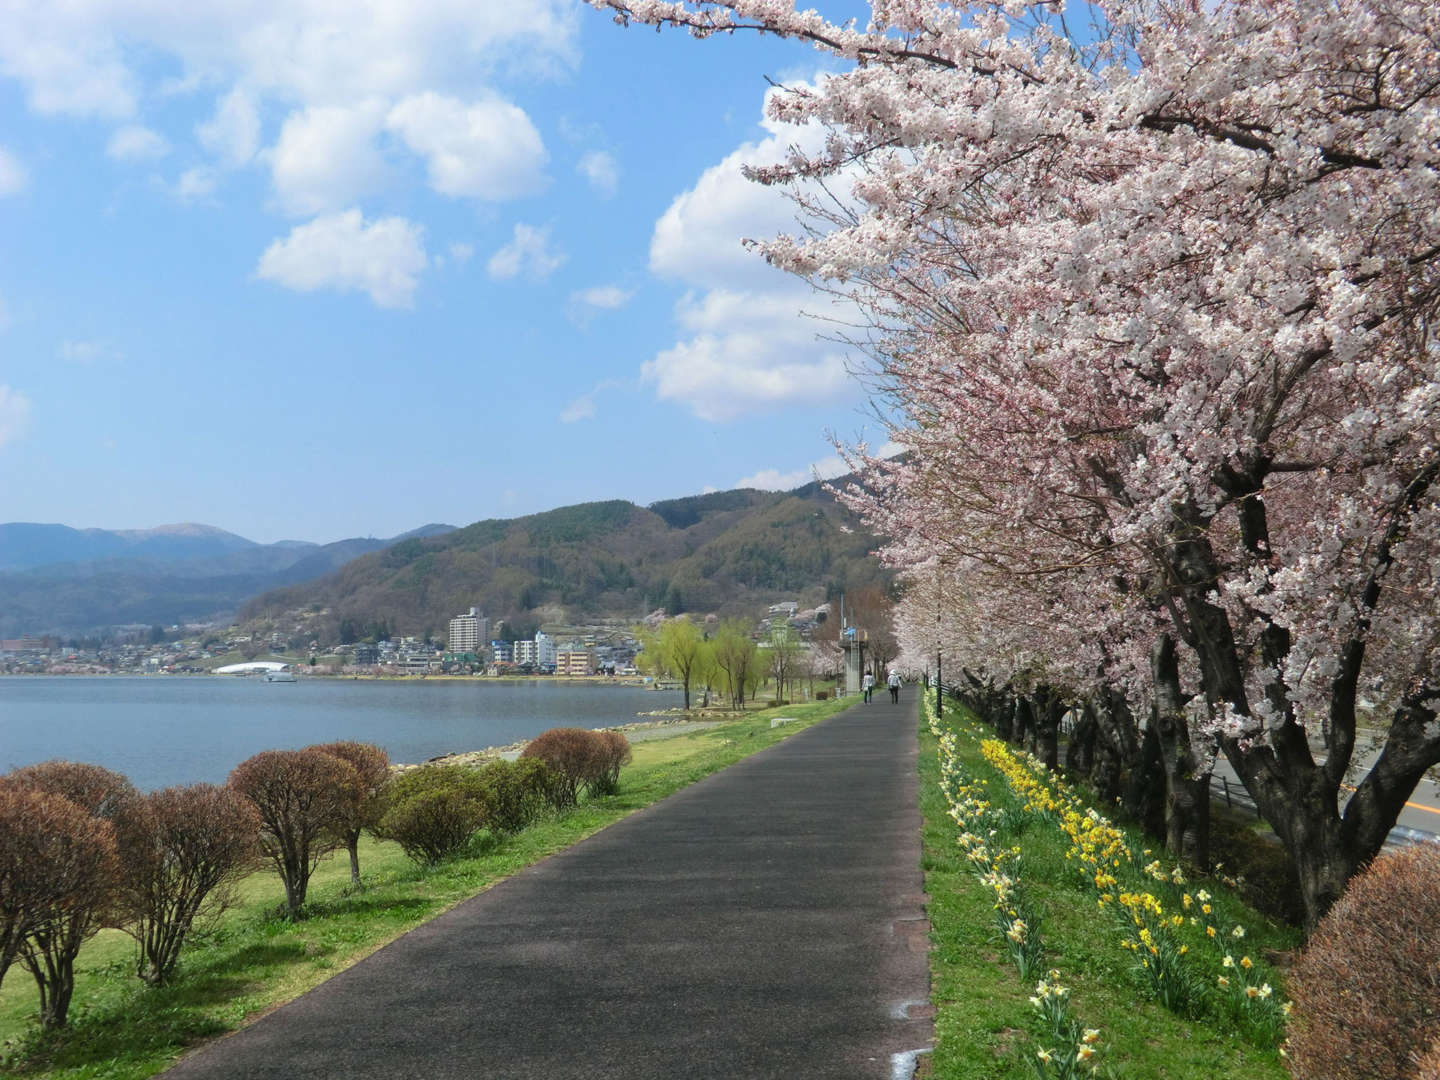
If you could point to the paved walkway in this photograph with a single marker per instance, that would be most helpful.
(766, 922)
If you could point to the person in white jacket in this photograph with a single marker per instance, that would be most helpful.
(867, 684)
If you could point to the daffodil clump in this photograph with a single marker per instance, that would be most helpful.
(1068, 1050)
(1071, 1050)
(1173, 934)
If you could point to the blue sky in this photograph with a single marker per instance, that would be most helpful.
(311, 270)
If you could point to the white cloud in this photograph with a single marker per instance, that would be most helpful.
(462, 253)
(97, 57)
(342, 252)
(326, 157)
(722, 377)
(232, 133)
(137, 143)
(14, 414)
(748, 344)
(827, 468)
(601, 169)
(584, 304)
(487, 149)
(196, 183)
(528, 253)
(13, 177)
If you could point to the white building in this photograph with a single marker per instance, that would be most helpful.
(544, 649)
(469, 632)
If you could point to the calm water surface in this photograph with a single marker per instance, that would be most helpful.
(161, 730)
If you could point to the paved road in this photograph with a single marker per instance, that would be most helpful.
(765, 922)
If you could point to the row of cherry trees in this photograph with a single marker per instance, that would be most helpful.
(1148, 286)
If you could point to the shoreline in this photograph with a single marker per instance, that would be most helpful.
(664, 725)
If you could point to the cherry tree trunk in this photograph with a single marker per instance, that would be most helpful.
(1187, 790)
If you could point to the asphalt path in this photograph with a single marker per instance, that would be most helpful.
(767, 921)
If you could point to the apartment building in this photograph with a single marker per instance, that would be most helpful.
(469, 632)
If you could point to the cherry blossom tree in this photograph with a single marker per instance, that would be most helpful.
(1152, 299)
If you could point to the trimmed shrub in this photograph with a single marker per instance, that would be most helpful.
(514, 793)
(59, 874)
(574, 757)
(1366, 990)
(304, 798)
(432, 812)
(612, 752)
(181, 852)
(372, 772)
(93, 788)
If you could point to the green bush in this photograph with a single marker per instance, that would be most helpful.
(432, 812)
(514, 793)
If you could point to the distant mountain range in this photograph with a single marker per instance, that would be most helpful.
(55, 579)
(727, 551)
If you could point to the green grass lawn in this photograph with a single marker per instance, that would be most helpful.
(255, 960)
(986, 1027)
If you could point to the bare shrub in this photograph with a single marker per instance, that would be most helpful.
(304, 798)
(573, 756)
(1366, 990)
(432, 812)
(58, 879)
(612, 753)
(93, 788)
(181, 851)
(372, 768)
(1427, 1064)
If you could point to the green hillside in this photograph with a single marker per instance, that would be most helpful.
(725, 552)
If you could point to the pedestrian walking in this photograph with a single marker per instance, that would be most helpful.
(894, 683)
(867, 685)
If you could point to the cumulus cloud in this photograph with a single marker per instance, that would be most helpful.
(136, 143)
(326, 157)
(528, 253)
(487, 149)
(749, 345)
(13, 176)
(343, 252)
(14, 415)
(90, 58)
(461, 253)
(601, 170)
(232, 133)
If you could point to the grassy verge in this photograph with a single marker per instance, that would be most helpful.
(986, 1025)
(254, 960)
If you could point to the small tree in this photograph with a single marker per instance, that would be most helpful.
(304, 798)
(372, 771)
(573, 756)
(736, 660)
(58, 875)
(783, 647)
(181, 850)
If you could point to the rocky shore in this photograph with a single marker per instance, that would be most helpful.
(661, 724)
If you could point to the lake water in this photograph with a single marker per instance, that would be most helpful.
(161, 730)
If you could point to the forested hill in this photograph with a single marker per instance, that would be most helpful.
(727, 551)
